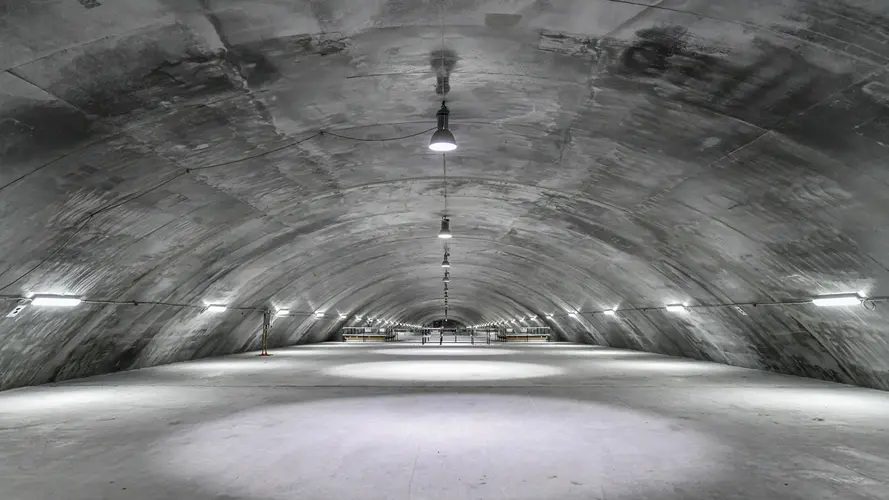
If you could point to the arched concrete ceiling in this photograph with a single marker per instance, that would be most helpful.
(610, 154)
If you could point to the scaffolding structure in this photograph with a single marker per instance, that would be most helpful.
(367, 334)
(457, 336)
(525, 334)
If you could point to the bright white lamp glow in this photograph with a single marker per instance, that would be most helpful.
(55, 301)
(445, 232)
(847, 299)
(442, 139)
(443, 143)
(215, 308)
(676, 308)
(481, 433)
(319, 314)
(282, 312)
(573, 315)
(610, 312)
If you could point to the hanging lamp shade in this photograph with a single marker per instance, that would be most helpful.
(445, 263)
(447, 278)
(445, 232)
(442, 139)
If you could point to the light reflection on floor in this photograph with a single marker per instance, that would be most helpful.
(434, 351)
(540, 421)
(438, 447)
(597, 353)
(442, 371)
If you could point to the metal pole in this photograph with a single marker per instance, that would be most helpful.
(266, 323)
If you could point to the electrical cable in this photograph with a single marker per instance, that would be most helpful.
(136, 303)
(385, 139)
(441, 14)
(257, 155)
(118, 134)
(790, 302)
(444, 167)
(82, 223)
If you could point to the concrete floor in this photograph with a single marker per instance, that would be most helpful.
(398, 421)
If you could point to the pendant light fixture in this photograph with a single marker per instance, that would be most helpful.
(445, 263)
(447, 277)
(445, 232)
(442, 139)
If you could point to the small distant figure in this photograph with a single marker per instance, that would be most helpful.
(441, 338)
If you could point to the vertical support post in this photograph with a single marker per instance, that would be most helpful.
(266, 324)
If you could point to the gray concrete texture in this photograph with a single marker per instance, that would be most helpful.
(611, 155)
(405, 421)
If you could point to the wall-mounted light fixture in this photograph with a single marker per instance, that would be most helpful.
(845, 299)
(55, 301)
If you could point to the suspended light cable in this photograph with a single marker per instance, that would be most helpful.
(442, 139)
(444, 174)
(445, 231)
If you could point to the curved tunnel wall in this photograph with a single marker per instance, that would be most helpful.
(645, 161)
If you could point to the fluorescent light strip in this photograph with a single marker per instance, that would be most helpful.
(282, 312)
(610, 312)
(849, 299)
(55, 301)
(676, 308)
(215, 308)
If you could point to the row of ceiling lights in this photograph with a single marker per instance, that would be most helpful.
(838, 300)
(443, 141)
(68, 301)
